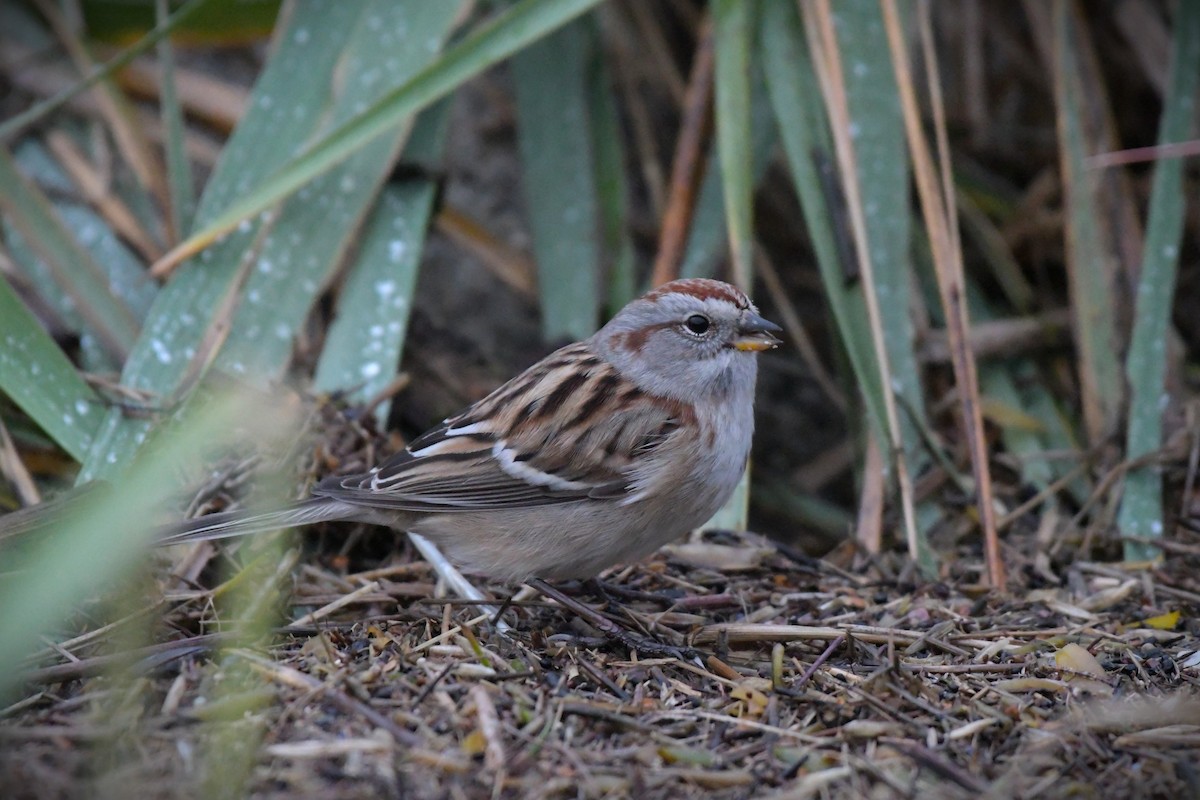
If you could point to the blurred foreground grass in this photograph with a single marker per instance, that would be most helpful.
(998, 347)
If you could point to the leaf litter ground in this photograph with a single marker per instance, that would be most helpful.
(813, 679)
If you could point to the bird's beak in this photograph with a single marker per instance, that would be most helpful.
(756, 333)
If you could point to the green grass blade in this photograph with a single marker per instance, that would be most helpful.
(1141, 513)
(124, 270)
(736, 95)
(871, 148)
(42, 381)
(554, 135)
(619, 260)
(1091, 268)
(366, 339)
(283, 113)
(882, 157)
(804, 130)
(74, 271)
(706, 245)
(100, 544)
(179, 171)
(509, 32)
(39, 110)
(733, 31)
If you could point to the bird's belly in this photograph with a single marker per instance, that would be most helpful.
(572, 540)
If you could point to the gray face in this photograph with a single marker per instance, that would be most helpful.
(689, 344)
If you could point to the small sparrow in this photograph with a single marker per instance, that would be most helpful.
(598, 454)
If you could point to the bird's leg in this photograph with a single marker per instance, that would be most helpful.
(634, 641)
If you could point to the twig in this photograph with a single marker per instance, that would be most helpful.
(340, 602)
(821, 659)
(299, 680)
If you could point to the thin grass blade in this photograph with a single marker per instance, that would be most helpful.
(935, 187)
(1091, 268)
(733, 28)
(74, 271)
(804, 131)
(179, 171)
(1141, 513)
(100, 544)
(21, 121)
(707, 246)
(123, 273)
(619, 261)
(724, 211)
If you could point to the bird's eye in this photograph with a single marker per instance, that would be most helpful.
(697, 324)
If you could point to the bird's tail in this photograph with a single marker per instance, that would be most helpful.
(230, 524)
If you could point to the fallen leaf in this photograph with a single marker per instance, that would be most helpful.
(1077, 659)
(717, 556)
(1163, 622)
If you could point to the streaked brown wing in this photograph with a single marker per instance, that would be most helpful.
(566, 430)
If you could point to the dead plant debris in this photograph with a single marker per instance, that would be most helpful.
(816, 680)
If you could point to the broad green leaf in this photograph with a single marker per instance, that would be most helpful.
(881, 153)
(349, 54)
(282, 116)
(510, 31)
(363, 347)
(554, 135)
(875, 132)
(42, 381)
(810, 152)
(309, 236)
(1141, 513)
